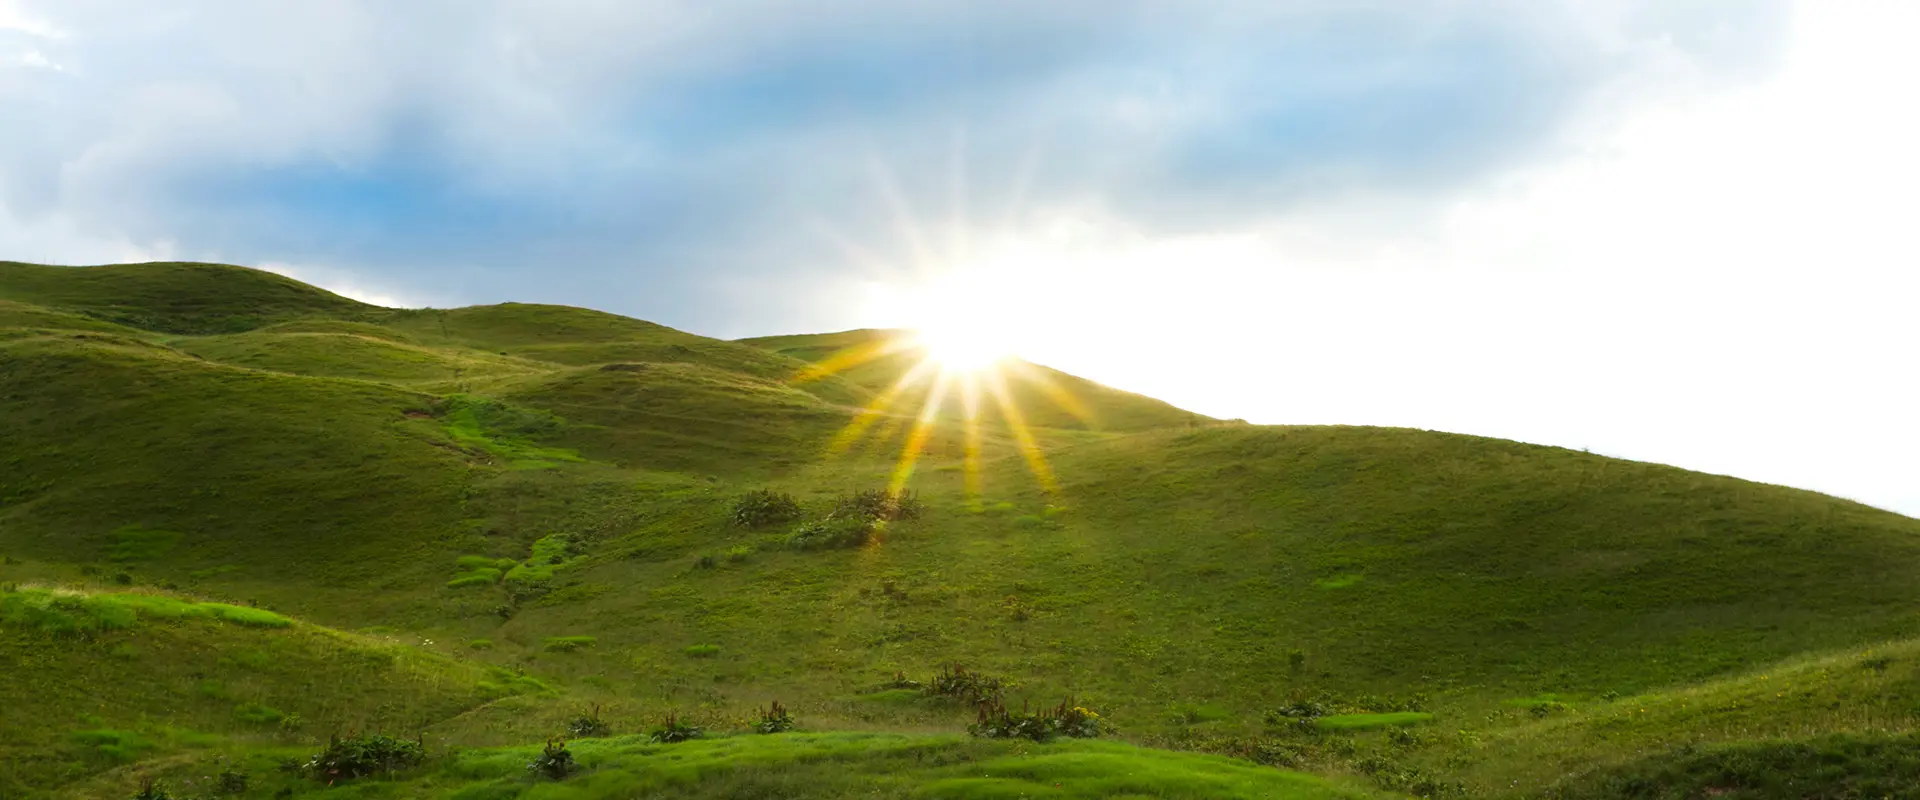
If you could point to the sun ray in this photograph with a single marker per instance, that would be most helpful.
(970, 457)
(917, 440)
(1066, 400)
(849, 357)
(876, 409)
(1023, 436)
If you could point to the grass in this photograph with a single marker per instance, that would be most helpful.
(838, 765)
(1367, 722)
(342, 457)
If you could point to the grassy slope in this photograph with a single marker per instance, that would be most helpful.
(1172, 581)
(95, 684)
(174, 297)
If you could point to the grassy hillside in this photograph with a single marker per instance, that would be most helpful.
(552, 490)
(174, 297)
(99, 680)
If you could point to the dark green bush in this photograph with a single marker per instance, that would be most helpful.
(554, 761)
(763, 507)
(230, 781)
(151, 790)
(878, 505)
(358, 756)
(1066, 719)
(774, 719)
(674, 730)
(973, 688)
(588, 726)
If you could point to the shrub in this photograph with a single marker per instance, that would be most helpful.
(1547, 708)
(739, 552)
(674, 730)
(972, 688)
(702, 650)
(763, 507)
(831, 533)
(359, 756)
(230, 781)
(878, 505)
(774, 719)
(705, 561)
(554, 761)
(151, 790)
(481, 644)
(1066, 719)
(588, 726)
(568, 644)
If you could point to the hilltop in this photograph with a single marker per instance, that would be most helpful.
(530, 510)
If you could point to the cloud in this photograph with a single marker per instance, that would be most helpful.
(441, 148)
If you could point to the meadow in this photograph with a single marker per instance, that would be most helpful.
(242, 518)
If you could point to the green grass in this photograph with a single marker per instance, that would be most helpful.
(258, 444)
(1366, 722)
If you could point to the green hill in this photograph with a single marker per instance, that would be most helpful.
(552, 491)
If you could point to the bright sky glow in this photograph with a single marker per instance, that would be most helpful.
(1669, 230)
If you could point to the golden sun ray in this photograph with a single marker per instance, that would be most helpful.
(877, 408)
(1023, 436)
(917, 440)
(1066, 400)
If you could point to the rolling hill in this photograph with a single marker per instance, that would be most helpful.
(544, 497)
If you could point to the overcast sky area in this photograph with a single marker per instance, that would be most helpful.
(1668, 230)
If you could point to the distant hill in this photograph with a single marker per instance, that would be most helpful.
(476, 525)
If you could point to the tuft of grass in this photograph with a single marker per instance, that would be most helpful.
(702, 650)
(568, 644)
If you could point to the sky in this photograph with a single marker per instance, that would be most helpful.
(1667, 230)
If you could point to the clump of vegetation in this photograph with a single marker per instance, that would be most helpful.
(230, 781)
(674, 730)
(568, 644)
(878, 505)
(774, 719)
(588, 726)
(1065, 719)
(480, 571)
(76, 613)
(702, 650)
(973, 688)
(151, 789)
(365, 754)
(554, 761)
(831, 534)
(764, 507)
(901, 681)
(257, 714)
(739, 552)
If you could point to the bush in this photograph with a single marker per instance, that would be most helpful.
(774, 719)
(588, 726)
(230, 781)
(674, 731)
(878, 505)
(972, 688)
(359, 756)
(151, 790)
(762, 507)
(830, 534)
(705, 561)
(554, 761)
(1066, 719)
(739, 552)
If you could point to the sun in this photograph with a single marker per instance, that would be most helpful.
(961, 349)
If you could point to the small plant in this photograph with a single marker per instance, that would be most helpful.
(1065, 719)
(739, 552)
(705, 561)
(230, 781)
(554, 761)
(123, 579)
(673, 731)
(481, 644)
(831, 533)
(972, 688)
(588, 726)
(901, 681)
(151, 790)
(702, 650)
(568, 644)
(774, 719)
(763, 507)
(358, 756)
(878, 505)
(1547, 708)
